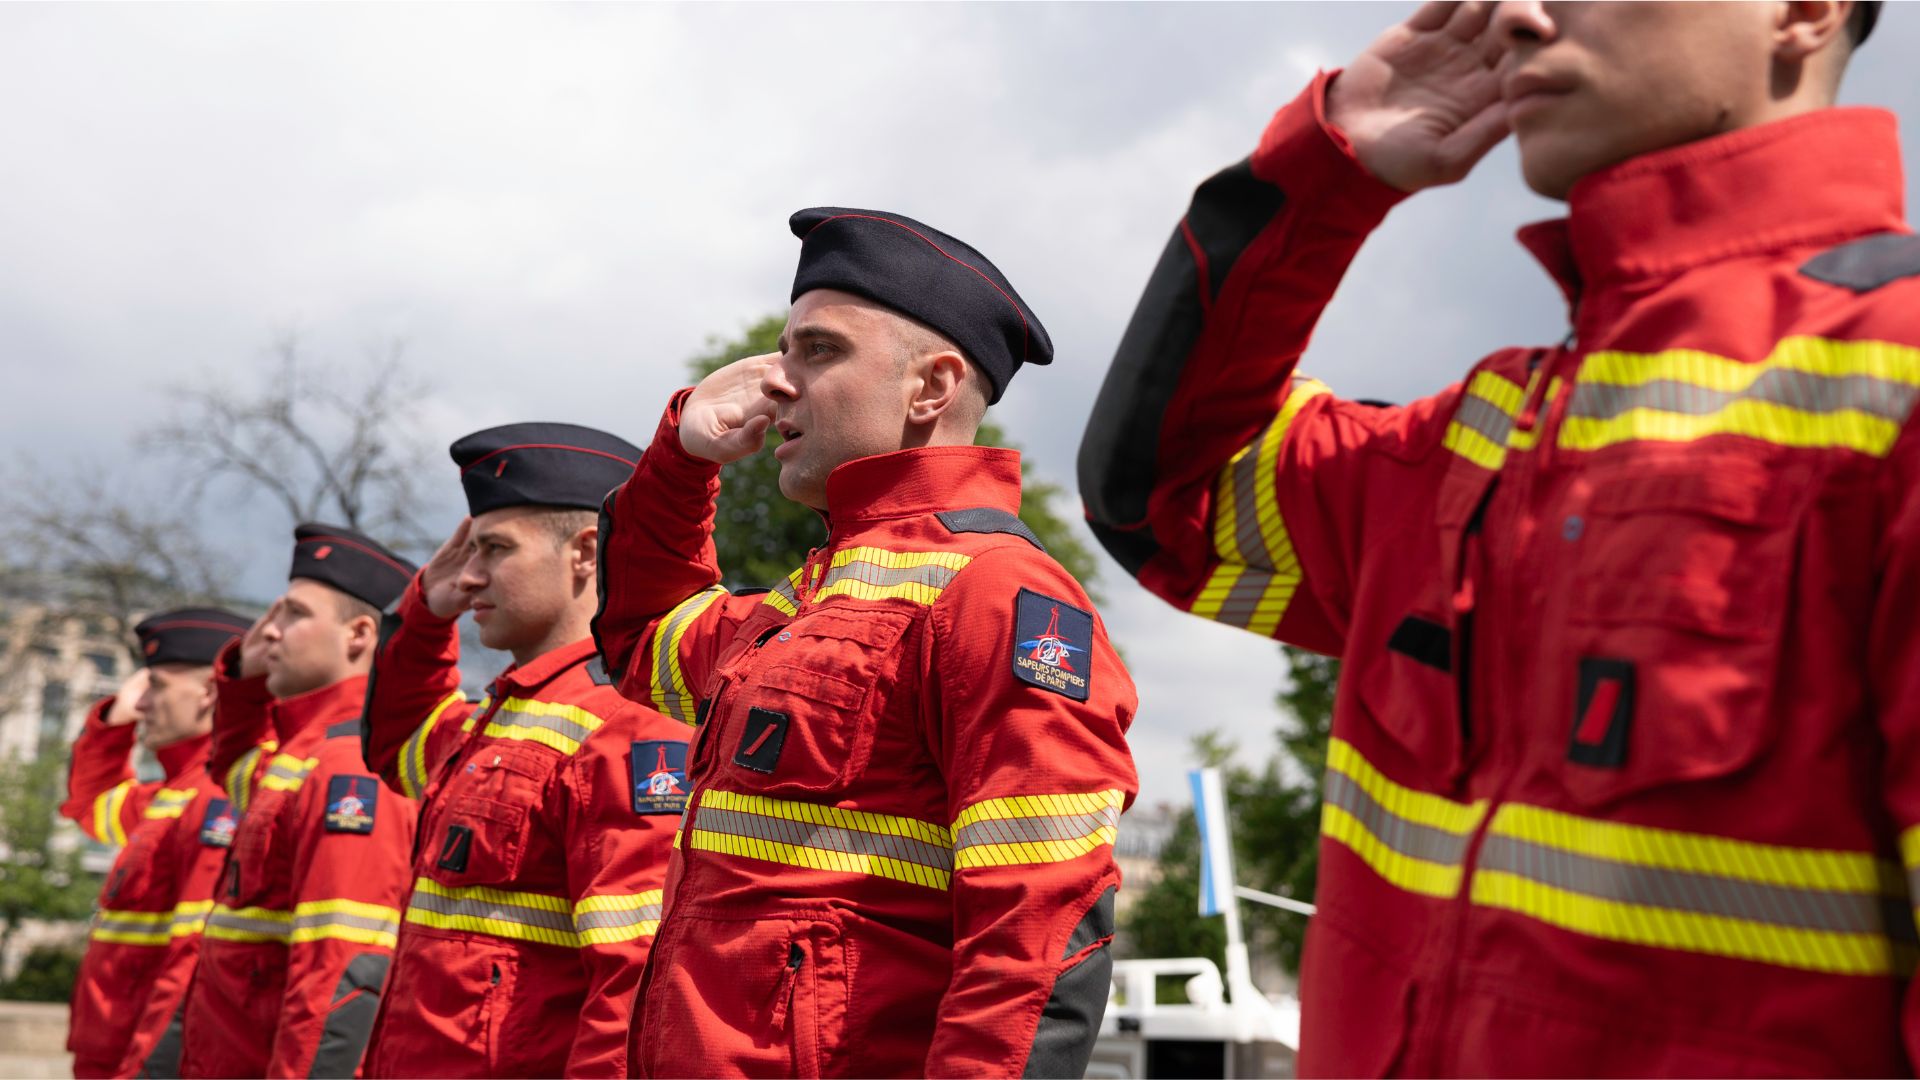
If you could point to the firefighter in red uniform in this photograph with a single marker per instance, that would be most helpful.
(911, 756)
(1624, 756)
(548, 807)
(299, 940)
(146, 933)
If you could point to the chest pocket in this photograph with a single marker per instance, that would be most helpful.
(826, 676)
(481, 837)
(261, 861)
(1683, 572)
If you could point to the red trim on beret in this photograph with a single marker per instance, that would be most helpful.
(545, 446)
(318, 537)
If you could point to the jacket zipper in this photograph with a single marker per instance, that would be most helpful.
(789, 982)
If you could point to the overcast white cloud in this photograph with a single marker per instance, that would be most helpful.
(555, 205)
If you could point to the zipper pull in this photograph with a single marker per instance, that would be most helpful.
(783, 996)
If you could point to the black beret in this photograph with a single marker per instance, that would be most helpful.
(924, 273)
(541, 465)
(192, 635)
(352, 562)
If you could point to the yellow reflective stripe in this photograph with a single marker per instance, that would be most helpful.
(344, 920)
(536, 917)
(190, 917)
(781, 596)
(169, 803)
(1408, 819)
(473, 716)
(549, 723)
(827, 838)
(287, 773)
(106, 814)
(240, 775)
(1029, 829)
(130, 927)
(248, 925)
(1482, 423)
(609, 919)
(666, 681)
(1809, 393)
(413, 752)
(1692, 931)
(1255, 582)
(870, 573)
(1527, 440)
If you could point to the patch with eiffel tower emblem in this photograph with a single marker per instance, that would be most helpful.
(1052, 644)
(659, 776)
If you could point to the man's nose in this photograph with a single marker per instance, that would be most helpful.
(775, 384)
(1522, 22)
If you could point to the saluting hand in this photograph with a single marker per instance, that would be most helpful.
(1422, 104)
(727, 416)
(253, 645)
(440, 578)
(126, 700)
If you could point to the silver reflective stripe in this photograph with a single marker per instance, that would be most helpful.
(1027, 830)
(824, 837)
(122, 924)
(284, 772)
(1800, 390)
(672, 701)
(603, 920)
(1681, 890)
(227, 920)
(473, 907)
(1243, 598)
(557, 724)
(930, 575)
(1247, 541)
(1484, 417)
(1406, 837)
(341, 918)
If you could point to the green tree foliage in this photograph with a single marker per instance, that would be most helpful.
(36, 881)
(46, 974)
(761, 535)
(1276, 824)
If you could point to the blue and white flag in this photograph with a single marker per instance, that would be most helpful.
(1216, 841)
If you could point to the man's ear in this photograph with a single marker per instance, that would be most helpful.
(583, 553)
(1804, 27)
(943, 381)
(363, 635)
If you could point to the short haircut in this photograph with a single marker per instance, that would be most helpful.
(1857, 22)
(913, 338)
(352, 607)
(563, 523)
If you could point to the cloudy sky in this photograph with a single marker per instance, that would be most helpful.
(554, 206)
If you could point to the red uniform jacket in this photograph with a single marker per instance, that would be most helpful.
(910, 764)
(548, 814)
(1629, 721)
(299, 941)
(146, 933)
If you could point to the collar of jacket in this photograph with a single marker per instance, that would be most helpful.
(542, 669)
(914, 483)
(179, 757)
(318, 709)
(1823, 177)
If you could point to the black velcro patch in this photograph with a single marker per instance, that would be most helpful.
(597, 671)
(1602, 713)
(659, 776)
(1052, 645)
(986, 519)
(351, 803)
(455, 848)
(1424, 640)
(760, 744)
(1865, 265)
(216, 829)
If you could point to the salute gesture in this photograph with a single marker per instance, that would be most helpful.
(727, 416)
(253, 644)
(440, 578)
(1422, 104)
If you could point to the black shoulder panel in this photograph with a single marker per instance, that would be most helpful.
(1119, 452)
(345, 729)
(597, 671)
(1865, 265)
(985, 519)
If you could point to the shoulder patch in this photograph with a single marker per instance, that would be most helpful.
(1865, 265)
(216, 828)
(659, 776)
(1052, 645)
(351, 803)
(986, 519)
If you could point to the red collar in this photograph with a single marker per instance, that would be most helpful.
(1823, 177)
(546, 667)
(912, 483)
(319, 708)
(183, 756)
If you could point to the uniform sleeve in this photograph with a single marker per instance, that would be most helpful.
(103, 797)
(663, 617)
(1225, 483)
(243, 735)
(1894, 672)
(414, 704)
(347, 893)
(1038, 773)
(615, 872)
(154, 1049)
